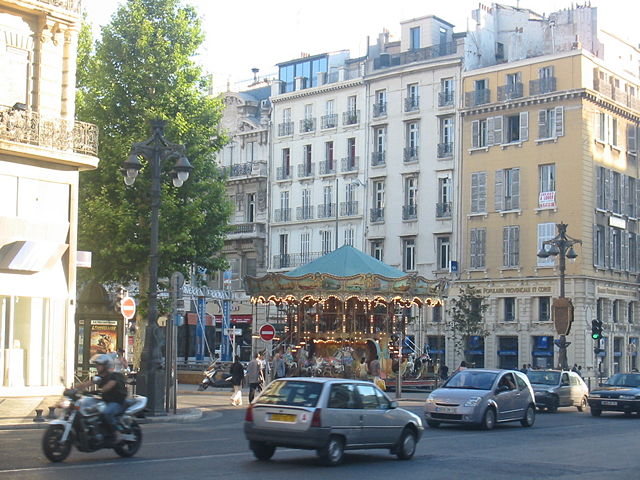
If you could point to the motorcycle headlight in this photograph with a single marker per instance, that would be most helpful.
(472, 402)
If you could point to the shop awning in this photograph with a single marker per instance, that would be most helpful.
(28, 257)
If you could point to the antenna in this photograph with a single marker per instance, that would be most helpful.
(255, 71)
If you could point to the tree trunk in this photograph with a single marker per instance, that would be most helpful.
(141, 319)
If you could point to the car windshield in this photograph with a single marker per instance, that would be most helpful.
(624, 380)
(473, 380)
(542, 377)
(296, 393)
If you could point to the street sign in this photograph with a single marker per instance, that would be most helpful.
(267, 332)
(233, 331)
(128, 307)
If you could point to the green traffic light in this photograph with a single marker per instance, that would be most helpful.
(595, 336)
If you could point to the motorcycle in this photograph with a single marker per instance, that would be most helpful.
(209, 379)
(81, 424)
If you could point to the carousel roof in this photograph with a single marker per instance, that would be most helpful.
(347, 261)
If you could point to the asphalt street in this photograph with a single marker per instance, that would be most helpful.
(565, 445)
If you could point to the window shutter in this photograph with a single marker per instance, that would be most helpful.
(482, 246)
(608, 247)
(524, 126)
(482, 192)
(632, 139)
(625, 195)
(599, 192)
(474, 248)
(516, 246)
(624, 263)
(474, 192)
(515, 188)
(505, 246)
(607, 192)
(490, 136)
(497, 130)
(559, 122)
(475, 134)
(499, 191)
(595, 246)
(542, 124)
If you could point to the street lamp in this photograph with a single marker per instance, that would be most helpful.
(155, 150)
(562, 246)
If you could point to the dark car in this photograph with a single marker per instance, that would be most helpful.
(558, 388)
(330, 416)
(620, 393)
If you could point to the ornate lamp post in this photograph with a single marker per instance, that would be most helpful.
(155, 150)
(562, 246)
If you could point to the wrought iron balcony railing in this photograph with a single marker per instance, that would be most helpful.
(445, 149)
(378, 159)
(246, 169)
(348, 209)
(306, 170)
(305, 212)
(307, 125)
(31, 128)
(509, 92)
(421, 54)
(350, 164)
(246, 230)
(445, 99)
(327, 167)
(443, 210)
(377, 215)
(290, 260)
(71, 5)
(412, 104)
(351, 117)
(283, 173)
(410, 154)
(379, 109)
(409, 212)
(477, 97)
(542, 85)
(282, 215)
(329, 121)
(285, 129)
(326, 210)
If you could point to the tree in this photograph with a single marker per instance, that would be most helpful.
(466, 317)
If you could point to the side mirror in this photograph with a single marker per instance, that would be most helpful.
(393, 404)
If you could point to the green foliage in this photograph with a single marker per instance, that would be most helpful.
(143, 68)
(466, 316)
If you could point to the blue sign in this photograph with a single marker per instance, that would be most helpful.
(200, 329)
(225, 348)
(453, 266)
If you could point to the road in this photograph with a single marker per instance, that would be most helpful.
(565, 445)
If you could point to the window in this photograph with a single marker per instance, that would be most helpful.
(510, 246)
(251, 208)
(509, 309)
(630, 196)
(308, 111)
(307, 165)
(615, 311)
(329, 107)
(544, 309)
(306, 204)
(351, 150)
(601, 126)
(352, 104)
(486, 132)
(342, 396)
(286, 115)
(325, 237)
(446, 92)
(377, 214)
(478, 245)
(284, 207)
(249, 150)
(602, 184)
(443, 207)
(305, 246)
(368, 397)
(443, 253)
(517, 127)
(348, 236)
(286, 162)
(445, 147)
(479, 133)
(551, 122)
(479, 192)
(616, 192)
(630, 312)
(410, 198)
(546, 231)
(413, 129)
(437, 314)
(632, 263)
(380, 105)
(606, 128)
(409, 254)
(329, 161)
(632, 139)
(380, 138)
(599, 253)
(284, 244)
(412, 101)
(507, 189)
(547, 186)
(616, 249)
(377, 249)
(414, 35)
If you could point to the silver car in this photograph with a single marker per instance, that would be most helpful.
(483, 397)
(557, 388)
(330, 416)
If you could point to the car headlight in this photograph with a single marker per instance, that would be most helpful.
(628, 397)
(594, 395)
(472, 402)
(430, 398)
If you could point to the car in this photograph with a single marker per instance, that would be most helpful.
(482, 397)
(620, 393)
(558, 388)
(329, 415)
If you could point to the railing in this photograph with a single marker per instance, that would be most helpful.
(329, 121)
(445, 149)
(409, 212)
(305, 212)
(285, 129)
(306, 170)
(326, 210)
(351, 117)
(477, 97)
(427, 53)
(282, 215)
(378, 159)
(510, 91)
(410, 154)
(327, 167)
(350, 164)
(379, 109)
(31, 128)
(445, 99)
(542, 85)
(307, 125)
(71, 5)
(283, 173)
(443, 210)
(377, 215)
(289, 260)
(246, 169)
(348, 209)
(246, 229)
(412, 104)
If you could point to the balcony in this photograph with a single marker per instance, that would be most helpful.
(421, 54)
(329, 121)
(308, 125)
(290, 260)
(379, 109)
(282, 215)
(306, 169)
(477, 97)
(409, 212)
(351, 117)
(304, 213)
(445, 149)
(542, 85)
(350, 164)
(443, 210)
(326, 210)
(74, 6)
(348, 209)
(410, 154)
(510, 92)
(328, 167)
(412, 104)
(445, 99)
(283, 173)
(246, 230)
(377, 215)
(378, 159)
(285, 129)
(31, 128)
(248, 169)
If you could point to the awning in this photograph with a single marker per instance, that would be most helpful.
(192, 319)
(474, 352)
(28, 257)
(507, 353)
(542, 353)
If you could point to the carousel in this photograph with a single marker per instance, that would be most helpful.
(345, 314)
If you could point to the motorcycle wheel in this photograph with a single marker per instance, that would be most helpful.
(51, 446)
(203, 386)
(129, 448)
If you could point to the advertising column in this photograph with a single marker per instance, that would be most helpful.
(225, 348)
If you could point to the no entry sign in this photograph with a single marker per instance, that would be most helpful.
(267, 332)
(128, 307)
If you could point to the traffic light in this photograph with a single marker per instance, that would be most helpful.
(118, 300)
(596, 329)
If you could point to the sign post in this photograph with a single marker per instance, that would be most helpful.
(267, 332)
(200, 330)
(128, 307)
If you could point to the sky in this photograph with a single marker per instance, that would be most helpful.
(241, 35)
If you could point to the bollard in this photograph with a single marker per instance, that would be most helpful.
(52, 413)
(38, 417)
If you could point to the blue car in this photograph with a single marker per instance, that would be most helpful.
(620, 393)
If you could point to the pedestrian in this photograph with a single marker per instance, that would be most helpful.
(120, 363)
(574, 368)
(579, 370)
(444, 372)
(374, 367)
(363, 370)
(255, 376)
(279, 367)
(524, 368)
(237, 375)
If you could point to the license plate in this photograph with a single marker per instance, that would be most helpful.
(609, 402)
(445, 410)
(282, 417)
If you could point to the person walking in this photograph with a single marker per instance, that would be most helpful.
(255, 376)
(237, 375)
(279, 367)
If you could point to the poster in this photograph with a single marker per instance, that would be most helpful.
(104, 337)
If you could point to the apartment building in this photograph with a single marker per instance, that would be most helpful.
(42, 151)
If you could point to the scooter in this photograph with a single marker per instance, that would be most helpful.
(209, 379)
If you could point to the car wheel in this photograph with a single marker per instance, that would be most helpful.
(332, 453)
(595, 412)
(433, 423)
(583, 404)
(406, 445)
(489, 419)
(262, 451)
(529, 417)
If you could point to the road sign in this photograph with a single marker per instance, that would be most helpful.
(233, 331)
(128, 307)
(267, 332)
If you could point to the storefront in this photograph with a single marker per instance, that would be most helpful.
(474, 353)
(508, 352)
(542, 352)
(436, 349)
